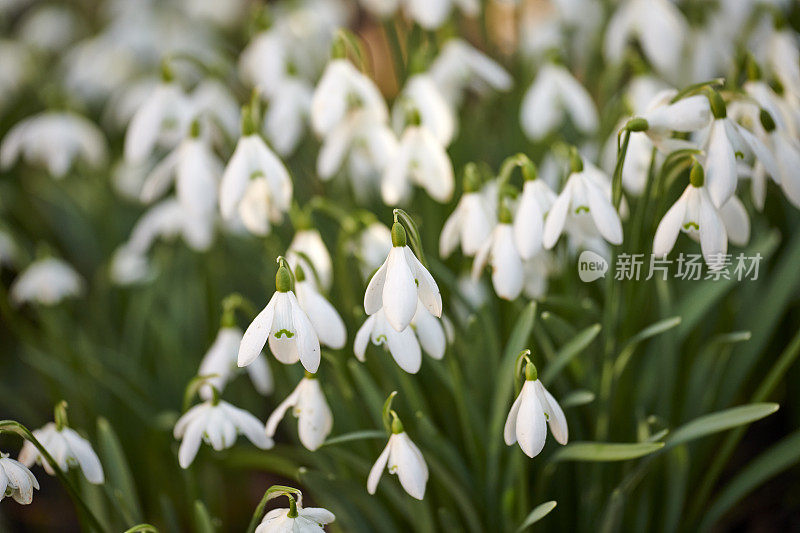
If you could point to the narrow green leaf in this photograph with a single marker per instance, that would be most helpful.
(568, 351)
(650, 331)
(539, 512)
(720, 421)
(118, 474)
(605, 451)
(202, 520)
(356, 435)
(577, 398)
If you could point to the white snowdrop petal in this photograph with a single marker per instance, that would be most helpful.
(427, 289)
(377, 469)
(255, 337)
(306, 338)
(510, 428)
(430, 333)
(405, 349)
(531, 423)
(84, 454)
(190, 444)
(670, 226)
(720, 175)
(555, 415)
(362, 338)
(556, 217)
(399, 290)
(713, 238)
(411, 467)
(373, 296)
(736, 221)
(280, 411)
(507, 275)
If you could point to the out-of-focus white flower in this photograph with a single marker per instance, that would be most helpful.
(364, 141)
(217, 423)
(67, 448)
(371, 247)
(460, 66)
(308, 404)
(166, 110)
(48, 27)
(421, 94)
(287, 328)
(657, 24)
(255, 186)
(17, 61)
(500, 251)
(323, 316)
(46, 282)
(696, 215)
(219, 362)
(214, 105)
(532, 411)
(16, 480)
(737, 222)
(54, 140)
(583, 203)
(430, 15)
(784, 58)
(287, 113)
(262, 63)
(8, 249)
(536, 272)
(471, 221)
(399, 282)
(430, 331)
(534, 203)
(308, 242)
(339, 92)
(403, 458)
(553, 92)
(402, 345)
(96, 67)
(419, 159)
(223, 14)
(665, 117)
(129, 266)
(302, 520)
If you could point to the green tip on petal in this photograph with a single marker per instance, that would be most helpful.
(398, 235)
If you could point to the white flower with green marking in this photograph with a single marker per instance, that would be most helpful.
(308, 405)
(403, 458)
(68, 450)
(16, 481)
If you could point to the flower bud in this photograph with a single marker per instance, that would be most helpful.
(397, 425)
(398, 235)
(637, 124)
(283, 279)
(531, 374)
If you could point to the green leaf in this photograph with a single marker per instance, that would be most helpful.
(356, 435)
(202, 520)
(605, 451)
(650, 331)
(119, 479)
(568, 351)
(577, 398)
(539, 512)
(779, 457)
(720, 421)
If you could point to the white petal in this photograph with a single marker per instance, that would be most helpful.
(256, 334)
(405, 350)
(555, 415)
(427, 289)
(531, 422)
(362, 338)
(506, 263)
(306, 337)
(556, 217)
(737, 223)
(528, 224)
(720, 169)
(373, 296)
(430, 333)
(448, 240)
(603, 213)
(713, 238)
(411, 467)
(190, 443)
(323, 316)
(510, 429)
(377, 469)
(670, 226)
(84, 454)
(315, 417)
(399, 290)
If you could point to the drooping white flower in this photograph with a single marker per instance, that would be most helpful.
(129, 267)
(536, 272)
(217, 423)
(658, 25)
(47, 282)
(535, 201)
(554, 92)
(532, 411)
(420, 159)
(584, 203)
(322, 315)
(314, 417)
(17, 61)
(16, 480)
(421, 94)
(255, 186)
(220, 363)
(460, 66)
(306, 520)
(399, 283)
(500, 251)
(402, 457)
(737, 222)
(54, 140)
(341, 90)
(166, 110)
(425, 332)
(308, 243)
(665, 117)
(287, 328)
(287, 114)
(784, 59)
(470, 223)
(68, 450)
(696, 215)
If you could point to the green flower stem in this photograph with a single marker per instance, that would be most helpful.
(274, 491)
(12, 426)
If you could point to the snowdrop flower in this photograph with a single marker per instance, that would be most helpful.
(322, 315)
(663, 117)
(786, 153)
(286, 116)
(67, 448)
(553, 92)
(16, 480)
(399, 282)
(584, 203)
(532, 411)
(129, 267)
(307, 245)
(402, 457)
(217, 423)
(255, 186)
(420, 159)
(421, 94)
(535, 201)
(425, 332)
(784, 59)
(536, 271)
(696, 215)
(341, 88)
(295, 519)
(371, 246)
(54, 140)
(285, 325)
(364, 141)
(165, 110)
(314, 417)
(471, 221)
(460, 66)
(657, 24)
(219, 363)
(47, 282)
(51, 28)
(17, 61)
(500, 251)
(725, 138)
